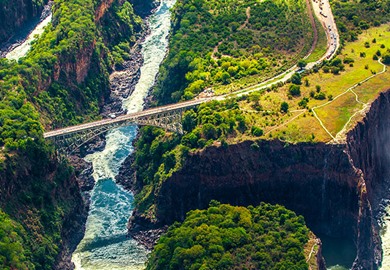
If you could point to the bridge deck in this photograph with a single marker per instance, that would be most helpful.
(123, 118)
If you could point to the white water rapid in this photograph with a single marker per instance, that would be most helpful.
(22, 49)
(105, 245)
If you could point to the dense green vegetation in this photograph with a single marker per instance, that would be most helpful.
(53, 77)
(63, 80)
(354, 16)
(231, 237)
(41, 195)
(217, 42)
(12, 252)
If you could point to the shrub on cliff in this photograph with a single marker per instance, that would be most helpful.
(231, 237)
(12, 252)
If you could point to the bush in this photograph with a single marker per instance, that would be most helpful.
(303, 102)
(348, 60)
(320, 96)
(296, 79)
(256, 131)
(295, 90)
(284, 107)
(386, 59)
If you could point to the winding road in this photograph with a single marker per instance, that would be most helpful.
(323, 12)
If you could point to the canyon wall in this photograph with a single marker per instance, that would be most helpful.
(43, 195)
(15, 14)
(369, 147)
(334, 186)
(70, 75)
(314, 180)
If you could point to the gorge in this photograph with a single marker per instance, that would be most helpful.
(341, 189)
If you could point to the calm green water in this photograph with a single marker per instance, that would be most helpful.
(339, 253)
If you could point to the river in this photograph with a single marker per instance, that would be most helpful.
(105, 245)
(22, 49)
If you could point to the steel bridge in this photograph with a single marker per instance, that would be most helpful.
(168, 117)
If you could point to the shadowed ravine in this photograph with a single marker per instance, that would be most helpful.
(105, 245)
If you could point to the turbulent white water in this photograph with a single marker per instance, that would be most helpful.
(23, 48)
(385, 235)
(105, 245)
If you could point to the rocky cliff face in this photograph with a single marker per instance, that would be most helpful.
(335, 187)
(44, 196)
(369, 147)
(313, 180)
(15, 14)
(144, 7)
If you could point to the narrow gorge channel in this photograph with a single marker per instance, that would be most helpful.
(21, 43)
(105, 244)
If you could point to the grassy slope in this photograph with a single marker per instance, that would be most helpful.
(337, 113)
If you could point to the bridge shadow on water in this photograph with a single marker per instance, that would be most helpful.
(99, 242)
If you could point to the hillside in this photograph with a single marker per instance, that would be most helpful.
(62, 80)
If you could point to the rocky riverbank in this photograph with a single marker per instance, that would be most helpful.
(21, 36)
(122, 84)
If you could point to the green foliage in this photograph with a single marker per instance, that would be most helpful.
(12, 253)
(212, 44)
(284, 107)
(49, 79)
(386, 59)
(302, 63)
(231, 237)
(295, 90)
(354, 16)
(336, 65)
(303, 102)
(320, 96)
(63, 77)
(256, 131)
(296, 79)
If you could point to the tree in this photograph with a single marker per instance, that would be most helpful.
(295, 90)
(209, 131)
(232, 237)
(256, 131)
(302, 63)
(189, 120)
(296, 79)
(284, 107)
(386, 59)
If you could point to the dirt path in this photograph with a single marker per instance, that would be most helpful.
(339, 135)
(248, 16)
